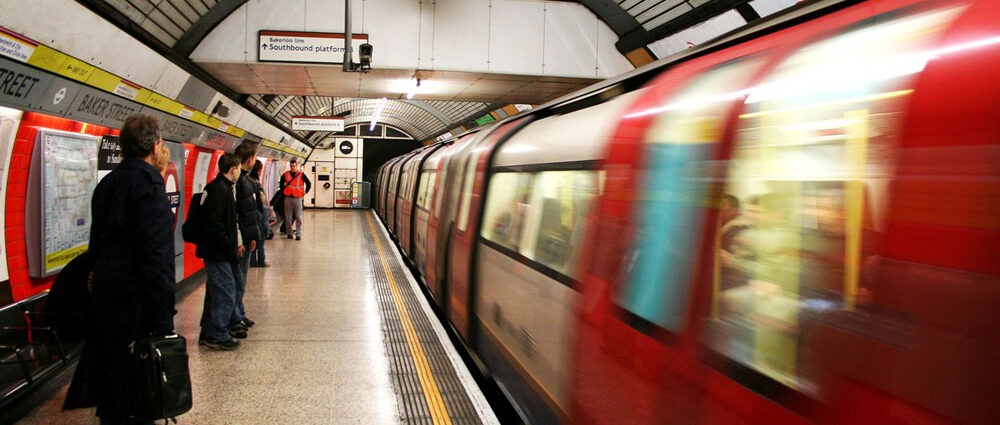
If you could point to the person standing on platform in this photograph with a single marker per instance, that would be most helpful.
(221, 247)
(248, 208)
(132, 260)
(294, 185)
(257, 257)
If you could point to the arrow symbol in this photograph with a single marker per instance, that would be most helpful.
(265, 46)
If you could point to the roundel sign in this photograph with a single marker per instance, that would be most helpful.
(346, 147)
(173, 190)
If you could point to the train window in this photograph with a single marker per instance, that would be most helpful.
(404, 184)
(553, 222)
(444, 181)
(679, 144)
(393, 174)
(467, 181)
(431, 182)
(505, 208)
(422, 190)
(804, 190)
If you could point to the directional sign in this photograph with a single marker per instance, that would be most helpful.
(313, 47)
(300, 123)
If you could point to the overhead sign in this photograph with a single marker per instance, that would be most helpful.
(313, 47)
(300, 123)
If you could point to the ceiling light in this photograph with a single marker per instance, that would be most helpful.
(377, 113)
(415, 85)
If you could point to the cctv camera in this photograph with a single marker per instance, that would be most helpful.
(365, 55)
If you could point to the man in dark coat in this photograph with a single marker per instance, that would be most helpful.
(221, 246)
(248, 208)
(132, 256)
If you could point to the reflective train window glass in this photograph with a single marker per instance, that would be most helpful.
(554, 216)
(467, 181)
(429, 196)
(445, 161)
(422, 189)
(679, 144)
(805, 190)
(506, 207)
(392, 180)
(407, 183)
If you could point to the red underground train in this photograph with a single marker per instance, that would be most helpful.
(796, 223)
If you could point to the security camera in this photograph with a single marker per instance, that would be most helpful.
(365, 55)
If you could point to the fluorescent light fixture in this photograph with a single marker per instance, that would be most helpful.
(378, 113)
(415, 85)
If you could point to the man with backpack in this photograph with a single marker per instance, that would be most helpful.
(294, 185)
(220, 244)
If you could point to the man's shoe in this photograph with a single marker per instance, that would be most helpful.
(298, 237)
(248, 323)
(229, 345)
(289, 236)
(238, 333)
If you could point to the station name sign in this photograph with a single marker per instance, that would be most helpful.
(312, 47)
(300, 123)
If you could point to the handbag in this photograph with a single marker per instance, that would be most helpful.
(161, 383)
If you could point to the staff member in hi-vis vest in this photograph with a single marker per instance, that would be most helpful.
(294, 185)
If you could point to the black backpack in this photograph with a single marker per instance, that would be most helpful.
(191, 229)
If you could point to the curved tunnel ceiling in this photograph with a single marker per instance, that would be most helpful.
(420, 119)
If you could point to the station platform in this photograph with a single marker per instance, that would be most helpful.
(342, 336)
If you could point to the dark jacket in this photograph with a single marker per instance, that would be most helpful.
(218, 222)
(305, 179)
(132, 256)
(67, 308)
(248, 208)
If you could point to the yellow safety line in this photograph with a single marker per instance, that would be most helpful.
(439, 413)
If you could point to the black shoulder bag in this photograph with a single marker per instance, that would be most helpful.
(161, 382)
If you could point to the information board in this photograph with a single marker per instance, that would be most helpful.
(10, 120)
(67, 175)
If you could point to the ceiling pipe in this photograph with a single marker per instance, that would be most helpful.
(348, 56)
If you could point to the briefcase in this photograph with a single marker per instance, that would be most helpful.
(161, 383)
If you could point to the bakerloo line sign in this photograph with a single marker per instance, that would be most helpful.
(312, 47)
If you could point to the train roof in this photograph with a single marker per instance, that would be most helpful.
(573, 137)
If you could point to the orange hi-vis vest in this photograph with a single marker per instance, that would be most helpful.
(294, 187)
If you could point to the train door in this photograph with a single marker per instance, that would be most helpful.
(323, 190)
(439, 222)
(466, 228)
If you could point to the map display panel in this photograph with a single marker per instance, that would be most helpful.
(68, 181)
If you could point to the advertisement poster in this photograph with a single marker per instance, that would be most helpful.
(9, 121)
(109, 155)
(201, 172)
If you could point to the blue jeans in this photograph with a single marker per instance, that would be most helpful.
(240, 313)
(257, 256)
(220, 299)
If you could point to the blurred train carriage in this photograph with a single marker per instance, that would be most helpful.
(797, 224)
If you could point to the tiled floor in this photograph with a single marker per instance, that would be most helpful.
(316, 355)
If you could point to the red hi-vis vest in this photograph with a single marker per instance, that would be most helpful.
(294, 187)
